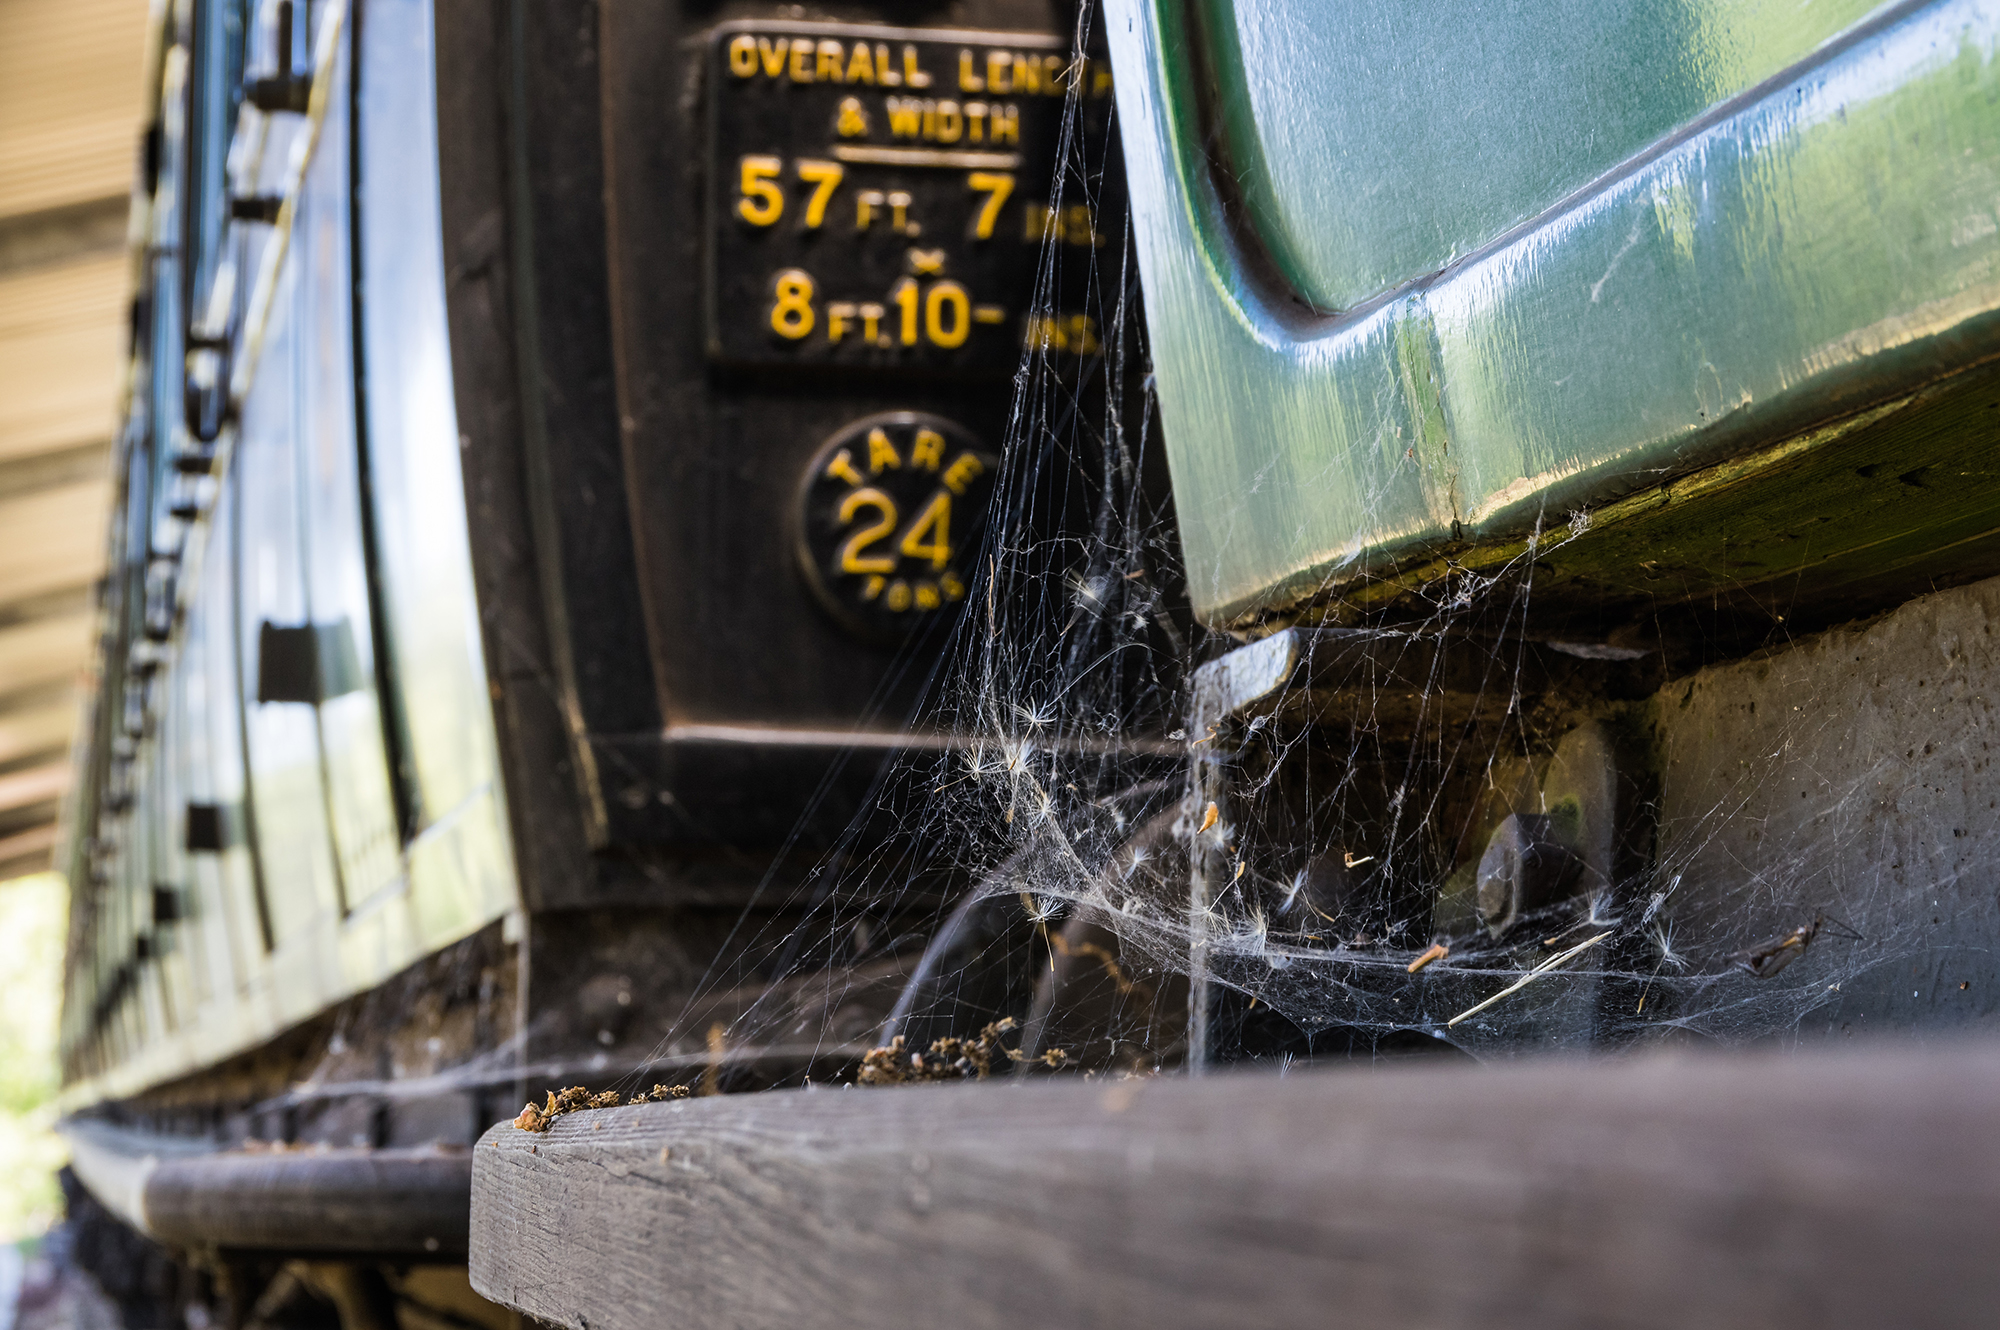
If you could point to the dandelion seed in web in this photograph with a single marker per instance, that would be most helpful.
(1035, 717)
(1089, 593)
(1041, 909)
(1658, 901)
(1662, 937)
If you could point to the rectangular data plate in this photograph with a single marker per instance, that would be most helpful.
(879, 195)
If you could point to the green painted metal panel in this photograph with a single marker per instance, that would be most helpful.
(1373, 143)
(1828, 239)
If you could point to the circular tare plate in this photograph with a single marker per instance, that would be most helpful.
(891, 511)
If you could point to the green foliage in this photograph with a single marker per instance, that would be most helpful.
(33, 911)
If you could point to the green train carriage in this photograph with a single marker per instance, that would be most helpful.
(1567, 630)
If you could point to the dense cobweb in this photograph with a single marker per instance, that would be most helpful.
(1142, 876)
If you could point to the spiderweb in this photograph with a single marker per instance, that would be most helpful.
(1127, 880)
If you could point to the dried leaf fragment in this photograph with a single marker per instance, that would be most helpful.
(949, 1058)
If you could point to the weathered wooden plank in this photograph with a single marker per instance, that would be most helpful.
(1846, 1189)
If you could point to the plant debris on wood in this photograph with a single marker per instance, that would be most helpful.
(576, 1099)
(949, 1058)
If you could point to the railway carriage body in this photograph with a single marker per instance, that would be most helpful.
(577, 454)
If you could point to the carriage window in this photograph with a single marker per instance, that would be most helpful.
(410, 426)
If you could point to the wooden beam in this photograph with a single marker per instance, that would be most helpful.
(28, 731)
(74, 71)
(18, 789)
(63, 333)
(49, 649)
(27, 851)
(61, 235)
(1855, 1188)
(55, 538)
(59, 466)
(77, 598)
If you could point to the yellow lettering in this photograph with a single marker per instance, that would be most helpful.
(950, 124)
(927, 596)
(851, 558)
(860, 69)
(975, 121)
(1100, 77)
(772, 55)
(873, 586)
(792, 314)
(882, 453)
(947, 298)
(852, 122)
(842, 468)
(936, 519)
(913, 75)
(802, 51)
(865, 204)
(898, 598)
(968, 80)
(762, 202)
(871, 324)
(1005, 124)
(928, 451)
(899, 214)
(825, 176)
(1027, 73)
(963, 471)
(827, 66)
(838, 315)
(996, 186)
(1054, 72)
(743, 56)
(1041, 223)
(999, 77)
(904, 297)
(906, 117)
(953, 588)
(884, 75)
(989, 314)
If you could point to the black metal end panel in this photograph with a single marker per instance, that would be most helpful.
(825, 240)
